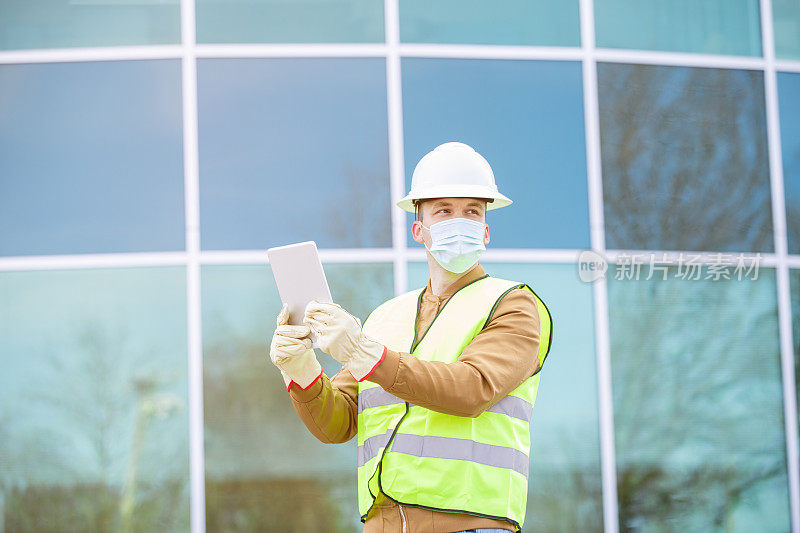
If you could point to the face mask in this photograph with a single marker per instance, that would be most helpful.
(456, 243)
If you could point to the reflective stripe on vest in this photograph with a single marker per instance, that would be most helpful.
(510, 405)
(420, 457)
(446, 448)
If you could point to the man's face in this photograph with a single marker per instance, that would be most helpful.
(438, 209)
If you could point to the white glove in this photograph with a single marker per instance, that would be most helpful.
(291, 352)
(339, 334)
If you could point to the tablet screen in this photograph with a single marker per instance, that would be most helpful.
(299, 276)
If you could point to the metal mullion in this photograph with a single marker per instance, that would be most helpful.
(346, 255)
(116, 260)
(327, 255)
(479, 51)
(100, 53)
(781, 252)
(786, 65)
(678, 59)
(193, 302)
(599, 287)
(249, 257)
(266, 50)
(394, 104)
(290, 50)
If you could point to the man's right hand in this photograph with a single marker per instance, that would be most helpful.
(291, 351)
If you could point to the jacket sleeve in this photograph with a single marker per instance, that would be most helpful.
(329, 407)
(498, 360)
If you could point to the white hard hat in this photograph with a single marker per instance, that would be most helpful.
(454, 170)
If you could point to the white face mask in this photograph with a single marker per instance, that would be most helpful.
(456, 243)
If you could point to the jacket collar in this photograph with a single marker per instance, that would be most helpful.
(469, 276)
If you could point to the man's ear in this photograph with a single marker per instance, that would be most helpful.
(486, 235)
(416, 232)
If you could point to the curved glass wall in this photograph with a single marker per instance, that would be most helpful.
(145, 168)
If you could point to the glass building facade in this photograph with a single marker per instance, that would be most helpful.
(150, 153)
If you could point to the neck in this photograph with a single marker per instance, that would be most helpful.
(441, 278)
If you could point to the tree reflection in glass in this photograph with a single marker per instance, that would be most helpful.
(293, 150)
(264, 470)
(684, 155)
(789, 106)
(93, 400)
(698, 404)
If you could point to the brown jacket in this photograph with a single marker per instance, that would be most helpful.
(498, 360)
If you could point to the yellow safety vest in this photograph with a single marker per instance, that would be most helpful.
(422, 458)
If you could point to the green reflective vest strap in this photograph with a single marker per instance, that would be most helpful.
(420, 457)
(377, 417)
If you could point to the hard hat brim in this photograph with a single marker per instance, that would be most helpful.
(459, 191)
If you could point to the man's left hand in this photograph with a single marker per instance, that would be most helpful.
(339, 334)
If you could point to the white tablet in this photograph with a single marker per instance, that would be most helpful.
(299, 276)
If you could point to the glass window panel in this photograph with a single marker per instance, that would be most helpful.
(70, 23)
(293, 150)
(526, 119)
(730, 27)
(281, 21)
(698, 402)
(508, 22)
(93, 400)
(789, 105)
(794, 284)
(91, 158)
(262, 464)
(564, 491)
(786, 24)
(673, 139)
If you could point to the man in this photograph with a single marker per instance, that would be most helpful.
(440, 382)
